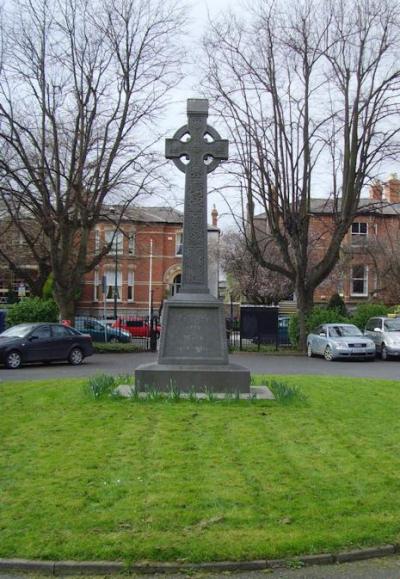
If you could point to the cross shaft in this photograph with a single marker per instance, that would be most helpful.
(197, 152)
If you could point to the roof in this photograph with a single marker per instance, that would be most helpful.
(157, 215)
(153, 214)
(366, 205)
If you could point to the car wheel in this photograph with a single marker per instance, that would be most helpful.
(310, 353)
(328, 354)
(384, 352)
(75, 357)
(113, 340)
(13, 360)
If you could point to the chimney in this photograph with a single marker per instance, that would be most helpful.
(376, 190)
(392, 189)
(214, 217)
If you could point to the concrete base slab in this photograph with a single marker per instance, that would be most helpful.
(193, 378)
(256, 393)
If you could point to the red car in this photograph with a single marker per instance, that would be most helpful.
(137, 327)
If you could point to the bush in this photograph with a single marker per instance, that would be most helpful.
(366, 311)
(32, 310)
(337, 303)
(118, 347)
(317, 316)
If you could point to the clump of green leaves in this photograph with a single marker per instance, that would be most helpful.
(366, 311)
(285, 394)
(104, 385)
(31, 310)
(318, 315)
(100, 386)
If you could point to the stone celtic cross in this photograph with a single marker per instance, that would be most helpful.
(196, 149)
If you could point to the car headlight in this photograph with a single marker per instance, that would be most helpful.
(339, 345)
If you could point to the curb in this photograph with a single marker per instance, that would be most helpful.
(113, 567)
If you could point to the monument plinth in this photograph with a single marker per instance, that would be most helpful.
(193, 350)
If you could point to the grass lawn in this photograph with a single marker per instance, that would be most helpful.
(162, 480)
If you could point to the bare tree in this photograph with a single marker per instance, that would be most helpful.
(82, 86)
(249, 279)
(310, 94)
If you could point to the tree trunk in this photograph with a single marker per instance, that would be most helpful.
(305, 302)
(66, 305)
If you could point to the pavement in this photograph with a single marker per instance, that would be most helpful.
(257, 363)
(385, 568)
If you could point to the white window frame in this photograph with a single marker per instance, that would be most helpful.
(96, 286)
(364, 279)
(97, 240)
(131, 243)
(118, 240)
(110, 284)
(179, 243)
(358, 236)
(131, 284)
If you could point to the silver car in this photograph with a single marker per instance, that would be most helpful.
(385, 332)
(335, 341)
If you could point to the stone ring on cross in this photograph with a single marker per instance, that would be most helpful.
(194, 147)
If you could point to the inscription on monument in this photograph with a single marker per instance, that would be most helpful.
(190, 322)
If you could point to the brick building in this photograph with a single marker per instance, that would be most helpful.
(144, 264)
(145, 235)
(369, 246)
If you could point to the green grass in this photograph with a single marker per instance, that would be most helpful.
(197, 481)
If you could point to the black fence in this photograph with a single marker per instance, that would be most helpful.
(255, 328)
(125, 329)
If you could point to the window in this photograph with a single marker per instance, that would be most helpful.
(372, 324)
(131, 244)
(131, 281)
(96, 240)
(42, 332)
(176, 284)
(359, 280)
(118, 241)
(110, 285)
(96, 286)
(359, 232)
(60, 332)
(179, 243)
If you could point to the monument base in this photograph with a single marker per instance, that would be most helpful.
(193, 353)
(193, 378)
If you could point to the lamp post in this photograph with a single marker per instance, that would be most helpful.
(116, 276)
(150, 278)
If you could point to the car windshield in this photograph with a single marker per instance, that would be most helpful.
(344, 331)
(392, 325)
(17, 331)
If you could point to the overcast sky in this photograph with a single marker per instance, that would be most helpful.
(199, 12)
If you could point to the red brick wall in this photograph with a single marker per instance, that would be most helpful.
(164, 258)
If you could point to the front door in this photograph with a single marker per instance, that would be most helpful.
(39, 345)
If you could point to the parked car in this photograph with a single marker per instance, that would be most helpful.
(136, 327)
(385, 332)
(43, 343)
(100, 331)
(334, 341)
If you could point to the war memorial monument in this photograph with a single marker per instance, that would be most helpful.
(193, 354)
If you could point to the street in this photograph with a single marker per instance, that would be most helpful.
(257, 363)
